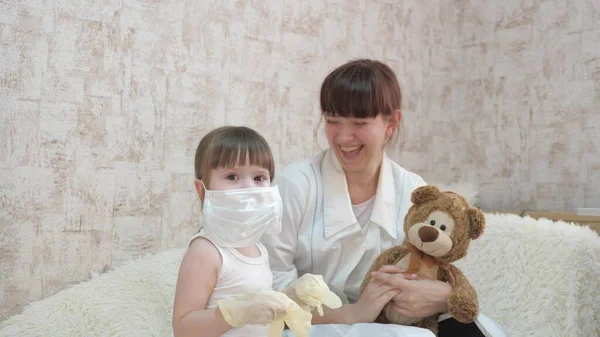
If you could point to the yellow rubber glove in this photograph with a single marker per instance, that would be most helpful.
(258, 307)
(266, 307)
(297, 319)
(310, 291)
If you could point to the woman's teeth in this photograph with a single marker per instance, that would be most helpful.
(349, 148)
(351, 151)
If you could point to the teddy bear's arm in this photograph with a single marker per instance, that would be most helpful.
(462, 303)
(388, 257)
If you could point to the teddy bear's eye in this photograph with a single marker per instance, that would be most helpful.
(432, 222)
(443, 227)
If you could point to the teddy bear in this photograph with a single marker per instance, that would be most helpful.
(438, 228)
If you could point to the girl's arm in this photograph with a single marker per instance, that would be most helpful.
(196, 281)
(369, 305)
(343, 315)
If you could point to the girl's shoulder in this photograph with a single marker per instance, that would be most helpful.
(202, 249)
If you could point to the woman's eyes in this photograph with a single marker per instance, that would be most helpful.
(232, 177)
(356, 123)
(260, 178)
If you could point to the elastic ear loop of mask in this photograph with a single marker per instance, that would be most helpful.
(203, 199)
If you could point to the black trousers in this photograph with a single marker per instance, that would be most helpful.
(452, 328)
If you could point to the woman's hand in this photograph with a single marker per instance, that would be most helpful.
(417, 297)
(374, 297)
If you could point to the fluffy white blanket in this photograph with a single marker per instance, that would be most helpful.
(535, 278)
(135, 299)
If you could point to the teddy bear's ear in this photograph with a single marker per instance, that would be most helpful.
(425, 193)
(477, 223)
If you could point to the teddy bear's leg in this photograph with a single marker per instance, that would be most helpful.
(430, 323)
(390, 256)
(462, 303)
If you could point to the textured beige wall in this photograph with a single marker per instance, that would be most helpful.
(520, 115)
(103, 102)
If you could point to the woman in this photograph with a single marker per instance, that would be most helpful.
(346, 205)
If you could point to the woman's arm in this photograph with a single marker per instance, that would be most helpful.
(196, 282)
(416, 298)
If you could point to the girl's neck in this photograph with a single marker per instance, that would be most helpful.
(362, 186)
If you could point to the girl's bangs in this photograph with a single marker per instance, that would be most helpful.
(240, 150)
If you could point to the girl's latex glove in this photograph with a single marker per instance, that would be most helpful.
(297, 319)
(266, 307)
(310, 291)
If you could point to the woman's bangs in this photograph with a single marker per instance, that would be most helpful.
(349, 95)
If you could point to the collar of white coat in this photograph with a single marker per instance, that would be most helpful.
(337, 206)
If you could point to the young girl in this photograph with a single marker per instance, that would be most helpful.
(233, 169)
(225, 282)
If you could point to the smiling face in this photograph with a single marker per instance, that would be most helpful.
(358, 142)
(360, 102)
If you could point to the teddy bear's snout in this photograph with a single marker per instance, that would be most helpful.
(428, 234)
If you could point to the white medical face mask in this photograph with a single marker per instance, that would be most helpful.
(238, 218)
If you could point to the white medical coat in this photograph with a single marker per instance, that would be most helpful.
(320, 234)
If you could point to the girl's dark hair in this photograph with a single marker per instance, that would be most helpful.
(229, 146)
(362, 89)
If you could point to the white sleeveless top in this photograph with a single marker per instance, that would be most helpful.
(238, 275)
